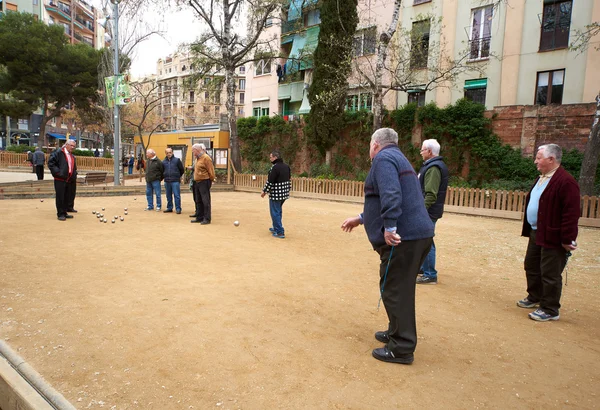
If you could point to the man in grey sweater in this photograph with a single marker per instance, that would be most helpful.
(400, 230)
(39, 159)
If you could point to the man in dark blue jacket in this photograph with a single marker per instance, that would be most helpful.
(63, 167)
(401, 232)
(173, 170)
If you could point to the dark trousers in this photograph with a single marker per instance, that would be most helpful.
(202, 188)
(399, 291)
(65, 196)
(39, 170)
(543, 269)
(194, 194)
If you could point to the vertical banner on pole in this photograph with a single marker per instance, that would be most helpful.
(122, 86)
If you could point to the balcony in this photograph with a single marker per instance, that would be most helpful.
(292, 91)
(292, 25)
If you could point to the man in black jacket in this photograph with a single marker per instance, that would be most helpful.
(278, 187)
(63, 167)
(173, 170)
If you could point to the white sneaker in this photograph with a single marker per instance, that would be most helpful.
(148, 209)
(158, 209)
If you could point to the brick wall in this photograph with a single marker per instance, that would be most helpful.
(529, 126)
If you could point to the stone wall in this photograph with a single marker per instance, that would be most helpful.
(529, 126)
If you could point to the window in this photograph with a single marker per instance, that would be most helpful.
(206, 81)
(481, 33)
(420, 44)
(365, 42)
(242, 69)
(475, 90)
(242, 98)
(217, 99)
(260, 109)
(556, 23)
(416, 96)
(35, 2)
(206, 96)
(206, 108)
(242, 84)
(263, 67)
(269, 21)
(192, 96)
(312, 18)
(549, 89)
(360, 101)
(241, 111)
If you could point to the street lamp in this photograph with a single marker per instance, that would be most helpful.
(117, 120)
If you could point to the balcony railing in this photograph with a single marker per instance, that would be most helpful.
(292, 25)
(480, 48)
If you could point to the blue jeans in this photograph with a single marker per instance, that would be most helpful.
(276, 209)
(173, 189)
(428, 266)
(153, 186)
(130, 170)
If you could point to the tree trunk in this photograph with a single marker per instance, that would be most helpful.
(587, 175)
(384, 41)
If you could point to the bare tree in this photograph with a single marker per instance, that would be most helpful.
(142, 115)
(587, 175)
(220, 48)
(133, 30)
(417, 60)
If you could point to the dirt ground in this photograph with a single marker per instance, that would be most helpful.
(158, 313)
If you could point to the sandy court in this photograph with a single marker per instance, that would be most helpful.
(158, 313)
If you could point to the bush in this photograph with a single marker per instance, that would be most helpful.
(19, 149)
(83, 153)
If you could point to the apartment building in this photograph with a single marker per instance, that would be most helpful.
(521, 49)
(512, 53)
(183, 104)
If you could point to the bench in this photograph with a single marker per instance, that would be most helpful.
(94, 177)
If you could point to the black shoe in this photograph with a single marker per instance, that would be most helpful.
(205, 222)
(166, 211)
(72, 210)
(196, 221)
(69, 216)
(382, 336)
(193, 216)
(385, 355)
(178, 212)
(62, 218)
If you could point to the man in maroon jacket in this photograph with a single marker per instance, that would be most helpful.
(551, 216)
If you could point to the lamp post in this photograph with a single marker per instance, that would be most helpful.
(117, 120)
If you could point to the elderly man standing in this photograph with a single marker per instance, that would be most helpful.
(39, 159)
(154, 174)
(400, 230)
(63, 167)
(433, 177)
(551, 218)
(204, 175)
(173, 172)
(278, 187)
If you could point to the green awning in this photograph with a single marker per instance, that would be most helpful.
(311, 41)
(287, 39)
(479, 83)
(299, 41)
(416, 89)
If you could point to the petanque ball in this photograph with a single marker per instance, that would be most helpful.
(94, 212)
(113, 221)
(125, 209)
(236, 223)
(41, 200)
(103, 209)
(125, 212)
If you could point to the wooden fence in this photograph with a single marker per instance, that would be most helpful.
(469, 201)
(11, 159)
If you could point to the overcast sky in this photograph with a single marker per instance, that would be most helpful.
(179, 27)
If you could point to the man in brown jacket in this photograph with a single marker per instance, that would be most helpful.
(204, 175)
